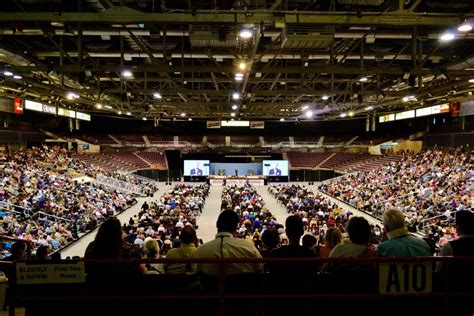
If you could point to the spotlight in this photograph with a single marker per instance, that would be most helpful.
(145, 119)
(364, 79)
(98, 106)
(108, 107)
(183, 114)
(309, 114)
(465, 27)
(17, 77)
(190, 119)
(471, 80)
(305, 107)
(369, 108)
(325, 97)
(119, 112)
(71, 96)
(242, 66)
(235, 96)
(351, 113)
(232, 114)
(8, 73)
(157, 95)
(246, 34)
(343, 115)
(126, 73)
(446, 37)
(128, 113)
(282, 119)
(234, 107)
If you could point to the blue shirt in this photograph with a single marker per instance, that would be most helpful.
(402, 244)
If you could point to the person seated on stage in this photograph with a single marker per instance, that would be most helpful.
(226, 246)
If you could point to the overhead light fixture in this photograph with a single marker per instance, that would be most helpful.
(343, 115)
(242, 65)
(351, 113)
(305, 107)
(128, 113)
(471, 80)
(98, 106)
(183, 114)
(306, 64)
(446, 37)
(369, 108)
(71, 96)
(17, 77)
(309, 114)
(127, 73)
(236, 96)
(145, 119)
(465, 27)
(234, 107)
(8, 73)
(119, 112)
(157, 95)
(364, 79)
(409, 98)
(282, 119)
(108, 107)
(239, 77)
(245, 33)
(325, 97)
(232, 114)
(190, 119)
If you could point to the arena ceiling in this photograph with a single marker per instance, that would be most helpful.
(330, 57)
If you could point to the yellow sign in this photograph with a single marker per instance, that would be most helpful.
(401, 278)
(31, 273)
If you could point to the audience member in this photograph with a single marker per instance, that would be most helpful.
(186, 250)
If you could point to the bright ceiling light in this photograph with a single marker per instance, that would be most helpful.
(190, 119)
(471, 80)
(364, 79)
(145, 119)
(126, 73)
(71, 96)
(239, 74)
(157, 95)
(370, 107)
(234, 107)
(98, 106)
(232, 114)
(351, 113)
(305, 107)
(343, 115)
(236, 96)
(446, 37)
(239, 78)
(246, 34)
(128, 113)
(119, 112)
(309, 114)
(465, 27)
(325, 97)
(17, 77)
(108, 107)
(242, 66)
(183, 114)
(282, 119)
(8, 73)
(405, 99)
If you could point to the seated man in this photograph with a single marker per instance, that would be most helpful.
(226, 246)
(186, 250)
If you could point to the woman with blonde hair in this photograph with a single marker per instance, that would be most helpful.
(152, 251)
(332, 238)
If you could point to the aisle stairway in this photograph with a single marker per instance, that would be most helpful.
(207, 220)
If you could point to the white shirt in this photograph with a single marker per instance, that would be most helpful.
(226, 246)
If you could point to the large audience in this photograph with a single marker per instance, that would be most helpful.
(429, 187)
(44, 201)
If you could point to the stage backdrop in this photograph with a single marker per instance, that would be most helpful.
(228, 169)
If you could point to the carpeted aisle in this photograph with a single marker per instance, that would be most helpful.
(278, 210)
(207, 220)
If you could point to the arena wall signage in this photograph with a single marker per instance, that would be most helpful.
(39, 107)
(213, 124)
(257, 124)
(430, 110)
(402, 278)
(83, 116)
(18, 106)
(32, 273)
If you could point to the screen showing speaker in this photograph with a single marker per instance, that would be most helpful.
(196, 168)
(275, 168)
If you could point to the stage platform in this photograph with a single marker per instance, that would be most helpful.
(239, 180)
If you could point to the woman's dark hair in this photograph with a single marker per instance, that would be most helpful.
(109, 239)
(359, 230)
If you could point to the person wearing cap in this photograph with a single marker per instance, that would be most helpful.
(226, 246)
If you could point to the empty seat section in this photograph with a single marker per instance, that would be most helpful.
(306, 160)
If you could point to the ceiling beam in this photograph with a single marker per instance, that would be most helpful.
(124, 15)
